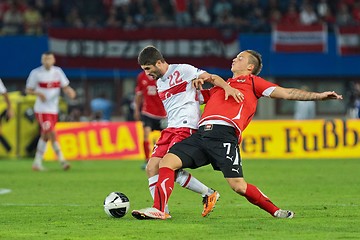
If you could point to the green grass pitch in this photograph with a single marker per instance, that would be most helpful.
(325, 195)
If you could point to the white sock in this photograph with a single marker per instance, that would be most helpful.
(186, 180)
(40, 149)
(58, 152)
(152, 182)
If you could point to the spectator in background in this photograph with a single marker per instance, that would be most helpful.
(12, 20)
(291, 16)
(304, 109)
(73, 19)
(353, 108)
(45, 82)
(182, 15)
(148, 108)
(308, 15)
(356, 12)
(9, 110)
(201, 12)
(32, 21)
(222, 12)
(102, 107)
(343, 15)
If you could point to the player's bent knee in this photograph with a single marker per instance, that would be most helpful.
(171, 161)
(152, 167)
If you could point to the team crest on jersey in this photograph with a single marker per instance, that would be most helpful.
(208, 127)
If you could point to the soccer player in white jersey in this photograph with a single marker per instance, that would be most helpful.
(46, 82)
(181, 102)
(3, 91)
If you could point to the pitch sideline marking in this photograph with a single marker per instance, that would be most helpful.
(4, 191)
(44, 205)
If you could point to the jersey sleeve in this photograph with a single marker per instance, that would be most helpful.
(2, 87)
(263, 87)
(191, 72)
(31, 80)
(64, 81)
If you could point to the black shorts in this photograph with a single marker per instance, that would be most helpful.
(214, 144)
(153, 123)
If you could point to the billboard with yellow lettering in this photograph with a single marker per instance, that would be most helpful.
(290, 139)
(98, 140)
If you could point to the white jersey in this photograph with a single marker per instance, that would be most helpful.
(179, 97)
(49, 83)
(2, 88)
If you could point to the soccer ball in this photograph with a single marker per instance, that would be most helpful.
(116, 204)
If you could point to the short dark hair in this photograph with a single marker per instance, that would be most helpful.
(149, 56)
(48, 53)
(256, 59)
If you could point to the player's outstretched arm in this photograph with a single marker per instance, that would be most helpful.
(302, 95)
(220, 82)
(70, 92)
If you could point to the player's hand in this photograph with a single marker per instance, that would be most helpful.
(42, 97)
(330, 95)
(9, 113)
(197, 83)
(71, 93)
(236, 94)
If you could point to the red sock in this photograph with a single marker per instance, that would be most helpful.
(164, 188)
(147, 150)
(256, 197)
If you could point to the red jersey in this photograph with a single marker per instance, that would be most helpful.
(152, 105)
(236, 114)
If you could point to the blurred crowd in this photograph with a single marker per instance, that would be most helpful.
(34, 17)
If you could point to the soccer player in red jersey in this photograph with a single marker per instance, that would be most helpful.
(46, 82)
(217, 140)
(148, 108)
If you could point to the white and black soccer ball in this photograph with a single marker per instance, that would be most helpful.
(116, 204)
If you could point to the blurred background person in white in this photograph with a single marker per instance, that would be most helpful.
(304, 109)
(3, 91)
(46, 82)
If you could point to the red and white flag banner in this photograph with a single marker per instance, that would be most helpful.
(299, 38)
(348, 40)
(119, 49)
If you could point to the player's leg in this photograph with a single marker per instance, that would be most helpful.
(256, 197)
(53, 118)
(40, 149)
(152, 170)
(231, 166)
(41, 145)
(56, 146)
(192, 156)
(162, 191)
(146, 144)
(165, 185)
(188, 181)
(209, 195)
